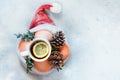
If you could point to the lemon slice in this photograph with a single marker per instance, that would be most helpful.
(40, 49)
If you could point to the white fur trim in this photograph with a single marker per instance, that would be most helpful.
(56, 8)
(49, 27)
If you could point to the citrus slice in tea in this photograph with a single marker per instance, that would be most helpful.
(40, 49)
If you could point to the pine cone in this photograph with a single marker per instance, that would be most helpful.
(56, 60)
(58, 39)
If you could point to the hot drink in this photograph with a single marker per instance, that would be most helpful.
(39, 49)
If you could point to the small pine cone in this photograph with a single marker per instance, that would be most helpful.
(58, 39)
(56, 60)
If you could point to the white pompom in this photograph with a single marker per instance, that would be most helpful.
(56, 8)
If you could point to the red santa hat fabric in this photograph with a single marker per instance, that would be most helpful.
(41, 16)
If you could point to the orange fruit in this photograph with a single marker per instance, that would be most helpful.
(42, 66)
(65, 51)
(23, 45)
(45, 33)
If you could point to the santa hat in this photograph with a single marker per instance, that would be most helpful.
(41, 16)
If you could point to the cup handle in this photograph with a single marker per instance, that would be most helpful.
(24, 53)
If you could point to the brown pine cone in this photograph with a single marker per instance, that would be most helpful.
(56, 60)
(58, 39)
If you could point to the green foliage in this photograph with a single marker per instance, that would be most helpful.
(29, 63)
(60, 68)
(55, 49)
(26, 37)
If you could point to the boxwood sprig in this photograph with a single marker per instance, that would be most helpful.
(26, 37)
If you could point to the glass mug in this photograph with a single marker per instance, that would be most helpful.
(39, 49)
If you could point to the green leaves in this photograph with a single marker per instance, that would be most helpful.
(60, 68)
(29, 63)
(26, 37)
(55, 49)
